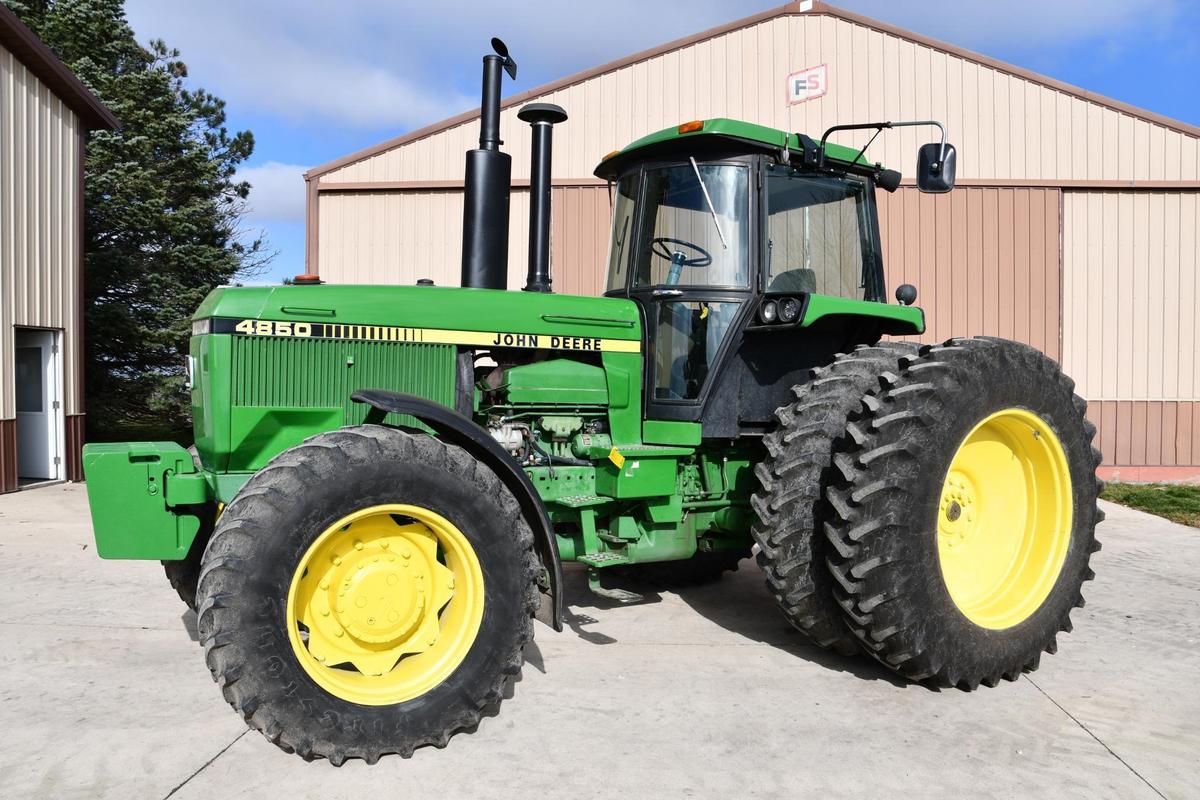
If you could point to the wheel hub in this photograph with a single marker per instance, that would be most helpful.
(956, 522)
(384, 603)
(378, 598)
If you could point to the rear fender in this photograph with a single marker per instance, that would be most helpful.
(463, 432)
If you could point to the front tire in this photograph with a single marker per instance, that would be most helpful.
(965, 513)
(367, 592)
(183, 574)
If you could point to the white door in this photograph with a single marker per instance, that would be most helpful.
(39, 405)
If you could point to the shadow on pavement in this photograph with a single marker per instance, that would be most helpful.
(739, 603)
(188, 618)
(578, 600)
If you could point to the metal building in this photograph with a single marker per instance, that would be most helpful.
(1073, 226)
(45, 114)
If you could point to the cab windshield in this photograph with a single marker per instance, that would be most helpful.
(694, 226)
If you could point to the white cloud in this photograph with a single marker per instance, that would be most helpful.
(375, 63)
(385, 64)
(276, 58)
(276, 192)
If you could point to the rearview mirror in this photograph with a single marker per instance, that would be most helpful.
(935, 167)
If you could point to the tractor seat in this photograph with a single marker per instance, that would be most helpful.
(794, 281)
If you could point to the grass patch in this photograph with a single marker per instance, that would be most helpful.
(1175, 502)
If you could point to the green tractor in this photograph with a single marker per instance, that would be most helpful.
(387, 480)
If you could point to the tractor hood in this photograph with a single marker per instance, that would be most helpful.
(430, 314)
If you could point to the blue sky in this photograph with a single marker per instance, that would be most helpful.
(314, 85)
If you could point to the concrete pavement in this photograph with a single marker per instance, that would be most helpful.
(705, 693)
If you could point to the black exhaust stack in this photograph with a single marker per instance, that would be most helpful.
(542, 117)
(489, 173)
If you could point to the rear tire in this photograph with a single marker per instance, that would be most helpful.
(965, 513)
(791, 503)
(267, 552)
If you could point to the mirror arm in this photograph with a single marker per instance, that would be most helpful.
(879, 127)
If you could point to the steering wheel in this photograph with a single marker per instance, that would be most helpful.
(658, 246)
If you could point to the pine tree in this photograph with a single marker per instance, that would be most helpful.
(162, 212)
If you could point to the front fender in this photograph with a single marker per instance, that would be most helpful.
(461, 431)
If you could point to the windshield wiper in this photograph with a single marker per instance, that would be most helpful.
(708, 200)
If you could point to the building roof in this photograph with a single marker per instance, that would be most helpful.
(803, 7)
(50, 70)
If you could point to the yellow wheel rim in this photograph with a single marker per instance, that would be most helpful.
(385, 604)
(1004, 519)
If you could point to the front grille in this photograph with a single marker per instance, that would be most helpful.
(320, 373)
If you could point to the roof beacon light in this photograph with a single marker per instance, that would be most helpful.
(691, 127)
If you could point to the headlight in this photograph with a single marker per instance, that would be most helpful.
(768, 312)
(789, 309)
(202, 326)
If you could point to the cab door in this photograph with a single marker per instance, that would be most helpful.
(691, 276)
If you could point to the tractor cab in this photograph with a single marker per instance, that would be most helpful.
(746, 248)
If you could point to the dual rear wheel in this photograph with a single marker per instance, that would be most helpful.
(933, 507)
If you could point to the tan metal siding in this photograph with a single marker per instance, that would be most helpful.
(1005, 126)
(985, 261)
(39, 234)
(401, 237)
(1130, 294)
(1147, 433)
(579, 239)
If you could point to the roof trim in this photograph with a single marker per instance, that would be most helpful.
(39, 59)
(403, 187)
(805, 8)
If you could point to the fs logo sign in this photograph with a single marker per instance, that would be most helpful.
(807, 84)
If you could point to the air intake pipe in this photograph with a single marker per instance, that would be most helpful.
(486, 190)
(542, 117)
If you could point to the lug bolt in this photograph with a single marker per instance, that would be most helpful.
(358, 545)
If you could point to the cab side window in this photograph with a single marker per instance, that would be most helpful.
(818, 235)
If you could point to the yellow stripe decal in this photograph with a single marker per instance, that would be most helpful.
(329, 330)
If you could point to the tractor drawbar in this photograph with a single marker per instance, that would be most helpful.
(542, 117)
(486, 191)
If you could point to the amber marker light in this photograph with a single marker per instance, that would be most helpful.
(610, 155)
(691, 127)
